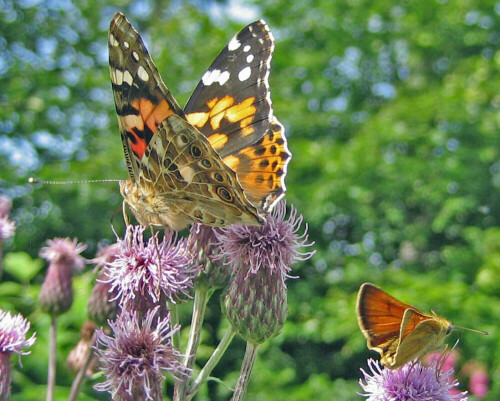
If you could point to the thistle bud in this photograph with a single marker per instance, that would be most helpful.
(103, 301)
(260, 257)
(202, 243)
(56, 294)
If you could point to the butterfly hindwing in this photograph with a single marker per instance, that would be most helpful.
(182, 166)
(419, 335)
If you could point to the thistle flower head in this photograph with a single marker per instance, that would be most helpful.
(411, 382)
(260, 257)
(13, 331)
(65, 252)
(274, 245)
(136, 356)
(77, 356)
(141, 269)
(56, 294)
(106, 255)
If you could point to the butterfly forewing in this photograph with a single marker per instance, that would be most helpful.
(231, 106)
(142, 100)
(379, 314)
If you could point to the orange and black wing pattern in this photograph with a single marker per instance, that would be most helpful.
(142, 100)
(231, 106)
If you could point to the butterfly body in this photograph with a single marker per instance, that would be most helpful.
(398, 331)
(223, 158)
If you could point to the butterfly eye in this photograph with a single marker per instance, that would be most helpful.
(449, 329)
(224, 194)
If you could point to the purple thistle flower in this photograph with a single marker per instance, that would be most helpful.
(274, 245)
(135, 273)
(56, 294)
(135, 359)
(411, 382)
(260, 257)
(106, 255)
(13, 331)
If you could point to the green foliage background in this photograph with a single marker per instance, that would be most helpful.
(392, 110)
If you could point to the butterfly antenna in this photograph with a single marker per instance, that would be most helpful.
(33, 180)
(474, 330)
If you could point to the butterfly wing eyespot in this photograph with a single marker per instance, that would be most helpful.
(232, 171)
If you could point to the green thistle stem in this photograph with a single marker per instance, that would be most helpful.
(212, 362)
(245, 372)
(51, 377)
(80, 377)
(201, 297)
(174, 319)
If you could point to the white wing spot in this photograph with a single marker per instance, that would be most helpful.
(215, 76)
(126, 45)
(135, 56)
(142, 73)
(249, 58)
(247, 48)
(223, 78)
(187, 173)
(118, 77)
(127, 77)
(244, 74)
(233, 44)
(113, 40)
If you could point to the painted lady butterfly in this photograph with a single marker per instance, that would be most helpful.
(221, 160)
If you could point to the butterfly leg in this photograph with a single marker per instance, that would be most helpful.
(117, 237)
(412, 365)
(443, 357)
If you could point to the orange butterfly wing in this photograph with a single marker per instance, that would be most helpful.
(380, 316)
